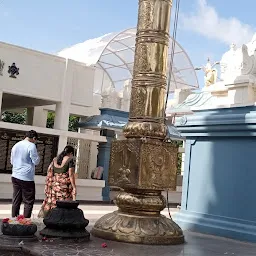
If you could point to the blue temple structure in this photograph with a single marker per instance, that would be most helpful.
(219, 179)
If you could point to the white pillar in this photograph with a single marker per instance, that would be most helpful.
(40, 117)
(61, 117)
(183, 159)
(30, 115)
(62, 143)
(62, 108)
(86, 157)
(93, 156)
(1, 100)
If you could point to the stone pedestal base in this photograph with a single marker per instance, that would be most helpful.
(66, 221)
(157, 230)
(18, 230)
(74, 234)
(18, 233)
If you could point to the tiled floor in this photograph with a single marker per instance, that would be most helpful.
(196, 245)
(12, 252)
(91, 212)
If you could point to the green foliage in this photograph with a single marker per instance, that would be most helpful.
(73, 122)
(50, 120)
(16, 118)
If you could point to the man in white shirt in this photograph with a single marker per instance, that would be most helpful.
(24, 158)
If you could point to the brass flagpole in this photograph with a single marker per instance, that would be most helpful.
(145, 164)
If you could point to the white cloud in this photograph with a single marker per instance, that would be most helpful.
(207, 22)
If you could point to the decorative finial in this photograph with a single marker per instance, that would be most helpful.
(233, 46)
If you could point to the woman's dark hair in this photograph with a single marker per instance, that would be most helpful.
(67, 150)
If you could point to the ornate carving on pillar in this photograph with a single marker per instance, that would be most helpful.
(145, 164)
(149, 164)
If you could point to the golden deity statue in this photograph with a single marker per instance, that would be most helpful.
(210, 73)
(145, 163)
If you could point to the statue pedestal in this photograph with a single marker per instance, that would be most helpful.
(66, 221)
(218, 194)
(18, 232)
(241, 94)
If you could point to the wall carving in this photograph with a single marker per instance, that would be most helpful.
(13, 70)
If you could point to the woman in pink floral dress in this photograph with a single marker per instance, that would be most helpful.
(60, 181)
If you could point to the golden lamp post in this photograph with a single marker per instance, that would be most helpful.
(145, 164)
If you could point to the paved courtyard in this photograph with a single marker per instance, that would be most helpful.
(196, 244)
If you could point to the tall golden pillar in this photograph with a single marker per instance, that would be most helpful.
(144, 164)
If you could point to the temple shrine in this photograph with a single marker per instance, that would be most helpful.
(218, 124)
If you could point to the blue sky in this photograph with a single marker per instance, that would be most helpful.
(206, 27)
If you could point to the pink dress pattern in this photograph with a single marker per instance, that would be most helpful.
(57, 187)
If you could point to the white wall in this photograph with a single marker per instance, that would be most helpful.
(83, 80)
(41, 75)
(86, 189)
(77, 110)
(86, 99)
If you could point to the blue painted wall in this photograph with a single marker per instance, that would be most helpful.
(103, 160)
(219, 183)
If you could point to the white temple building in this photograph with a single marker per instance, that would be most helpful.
(78, 80)
(236, 86)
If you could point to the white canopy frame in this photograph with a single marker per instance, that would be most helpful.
(114, 54)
